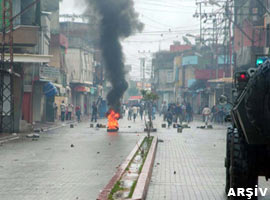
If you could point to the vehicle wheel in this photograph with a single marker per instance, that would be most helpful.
(228, 157)
(242, 170)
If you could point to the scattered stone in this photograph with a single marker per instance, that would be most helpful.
(98, 152)
(72, 145)
(37, 130)
(210, 126)
(29, 135)
(174, 172)
(71, 125)
(158, 163)
(160, 140)
(110, 143)
(214, 145)
(179, 130)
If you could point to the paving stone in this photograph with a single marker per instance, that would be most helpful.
(197, 157)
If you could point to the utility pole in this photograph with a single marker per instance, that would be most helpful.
(200, 16)
(143, 72)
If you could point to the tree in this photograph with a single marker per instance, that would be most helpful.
(149, 98)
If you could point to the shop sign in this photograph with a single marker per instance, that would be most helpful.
(27, 88)
(82, 89)
(46, 72)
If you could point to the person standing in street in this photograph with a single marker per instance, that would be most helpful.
(129, 113)
(135, 112)
(184, 111)
(164, 109)
(178, 113)
(141, 111)
(70, 110)
(63, 110)
(206, 113)
(169, 117)
(94, 112)
(78, 113)
(189, 113)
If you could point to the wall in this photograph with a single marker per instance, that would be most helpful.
(73, 61)
(55, 51)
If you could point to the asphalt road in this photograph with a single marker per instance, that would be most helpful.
(50, 168)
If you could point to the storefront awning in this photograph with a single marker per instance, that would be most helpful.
(81, 82)
(82, 89)
(221, 80)
(29, 58)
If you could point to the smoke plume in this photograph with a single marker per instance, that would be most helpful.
(118, 20)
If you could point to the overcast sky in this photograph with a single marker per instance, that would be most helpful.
(165, 21)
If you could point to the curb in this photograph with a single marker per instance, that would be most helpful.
(11, 138)
(57, 127)
(8, 139)
(121, 170)
(146, 173)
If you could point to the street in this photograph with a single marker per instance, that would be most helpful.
(51, 169)
(188, 165)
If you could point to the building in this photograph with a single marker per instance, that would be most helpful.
(249, 33)
(80, 64)
(31, 47)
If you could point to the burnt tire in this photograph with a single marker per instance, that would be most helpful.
(242, 169)
(228, 157)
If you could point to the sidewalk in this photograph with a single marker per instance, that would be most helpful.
(190, 165)
(38, 127)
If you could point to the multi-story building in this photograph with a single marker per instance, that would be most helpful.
(32, 60)
(249, 32)
(80, 64)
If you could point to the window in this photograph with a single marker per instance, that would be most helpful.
(170, 77)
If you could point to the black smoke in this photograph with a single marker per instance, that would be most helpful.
(118, 20)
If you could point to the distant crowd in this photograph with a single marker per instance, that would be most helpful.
(67, 111)
(176, 112)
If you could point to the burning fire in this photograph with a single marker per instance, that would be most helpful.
(113, 120)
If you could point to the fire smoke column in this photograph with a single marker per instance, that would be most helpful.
(118, 20)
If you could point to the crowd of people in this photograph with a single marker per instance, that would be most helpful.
(176, 112)
(171, 113)
(216, 114)
(67, 111)
(139, 110)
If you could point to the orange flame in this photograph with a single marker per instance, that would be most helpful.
(113, 120)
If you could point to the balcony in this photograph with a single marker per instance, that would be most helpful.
(24, 35)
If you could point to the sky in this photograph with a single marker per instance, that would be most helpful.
(165, 21)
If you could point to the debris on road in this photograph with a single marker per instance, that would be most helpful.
(33, 135)
(72, 145)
